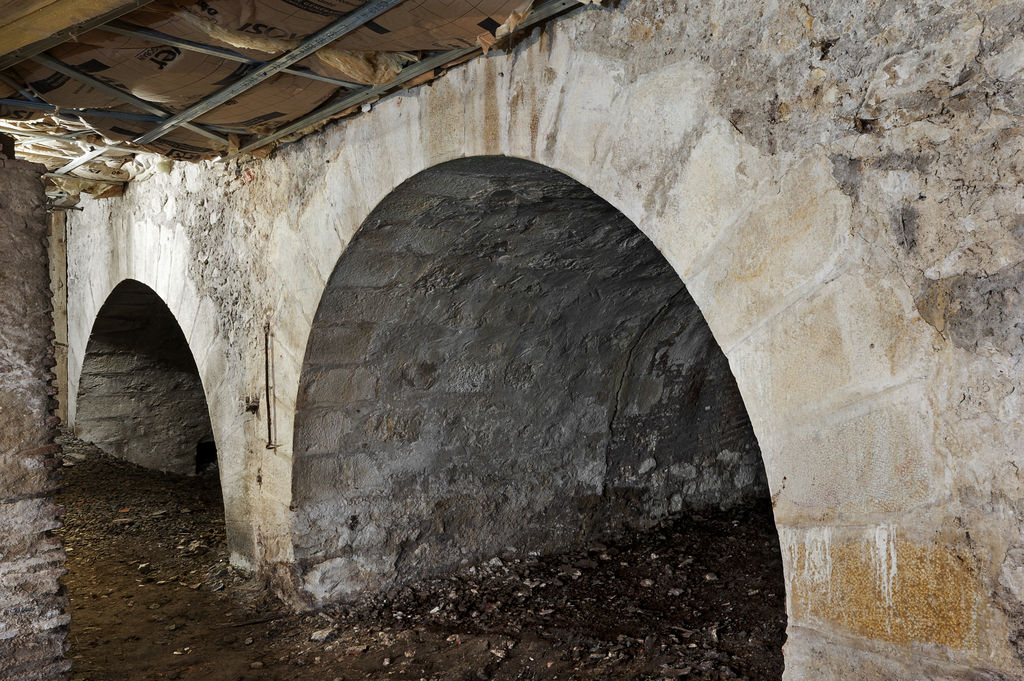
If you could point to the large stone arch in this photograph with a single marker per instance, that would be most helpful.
(763, 244)
(890, 440)
(832, 358)
(502, 362)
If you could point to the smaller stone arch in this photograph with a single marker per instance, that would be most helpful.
(140, 396)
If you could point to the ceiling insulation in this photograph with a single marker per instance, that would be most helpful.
(192, 80)
(27, 22)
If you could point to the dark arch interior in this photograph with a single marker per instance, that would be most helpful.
(140, 397)
(502, 362)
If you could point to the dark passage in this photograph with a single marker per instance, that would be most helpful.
(501, 360)
(206, 455)
(140, 397)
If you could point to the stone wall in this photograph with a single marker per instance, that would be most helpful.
(838, 187)
(503, 363)
(33, 625)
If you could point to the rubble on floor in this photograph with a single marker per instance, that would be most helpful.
(700, 597)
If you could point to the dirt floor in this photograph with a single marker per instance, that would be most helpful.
(153, 597)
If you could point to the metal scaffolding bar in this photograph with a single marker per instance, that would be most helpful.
(84, 158)
(142, 104)
(103, 113)
(321, 38)
(17, 132)
(539, 14)
(86, 179)
(29, 51)
(14, 85)
(149, 35)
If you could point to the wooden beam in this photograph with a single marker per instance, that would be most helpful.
(24, 34)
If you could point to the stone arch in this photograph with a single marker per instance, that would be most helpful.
(501, 359)
(763, 245)
(149, 263)
(140, 397)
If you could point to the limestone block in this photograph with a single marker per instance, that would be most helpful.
(864, 336)
(722, 181)
(877, 455)
(591, 94)
(639, 170)
(825, 655)
(782, 250)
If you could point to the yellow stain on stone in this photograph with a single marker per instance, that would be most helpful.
(932, 596)
(934, 304)
(643, 32)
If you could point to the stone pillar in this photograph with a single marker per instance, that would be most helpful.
(58, 254)
(33, 622)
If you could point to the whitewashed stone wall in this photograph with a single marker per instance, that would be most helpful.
(838, 185)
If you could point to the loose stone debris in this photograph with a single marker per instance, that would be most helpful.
(153, 597)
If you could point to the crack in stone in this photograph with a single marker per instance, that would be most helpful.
(621, 380)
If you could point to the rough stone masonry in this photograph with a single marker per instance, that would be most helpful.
(32, 620)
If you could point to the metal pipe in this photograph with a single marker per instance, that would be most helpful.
(321, 38)
(84, 158)
(41, 135)
(102, 113)
(85, 179)
(13, 84)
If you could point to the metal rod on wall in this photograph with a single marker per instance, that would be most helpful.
(268, 374)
